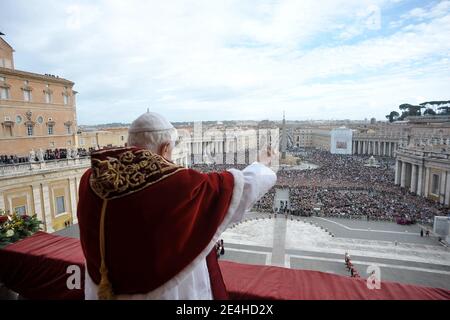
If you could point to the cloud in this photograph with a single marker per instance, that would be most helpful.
(234, 59)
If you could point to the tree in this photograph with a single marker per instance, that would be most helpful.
(429, 112)
(445, 111)
(411, 110)
(393, 116)
(444, 106)
(435, 102)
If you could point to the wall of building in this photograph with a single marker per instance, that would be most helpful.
(425, 173)
(16, 114)
(34, 188)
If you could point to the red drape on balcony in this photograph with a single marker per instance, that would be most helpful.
(36, 268)
(266, 282)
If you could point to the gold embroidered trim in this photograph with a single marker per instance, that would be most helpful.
(130, 172)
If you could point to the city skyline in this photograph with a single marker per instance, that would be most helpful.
(230, 60)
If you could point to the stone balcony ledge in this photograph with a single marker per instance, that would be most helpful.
(36, 167)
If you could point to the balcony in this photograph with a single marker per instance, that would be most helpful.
(29, 168)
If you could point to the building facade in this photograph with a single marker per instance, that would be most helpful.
(423, 161)
(36, 111)
(48, 189)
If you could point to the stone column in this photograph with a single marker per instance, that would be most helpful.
(36, 189)
(403, 176)
(73, 199)
(413, 188)
(2, 201)
(47, 209)
(398, 168)
(360, 147)
(364, 147)
(420, 181)
(426, 182)
(442, 187)
(379, 148)
(447, 190)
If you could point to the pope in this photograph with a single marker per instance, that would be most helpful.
(148, 226)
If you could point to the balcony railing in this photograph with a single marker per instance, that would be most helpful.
(424, 153)
(34, 167)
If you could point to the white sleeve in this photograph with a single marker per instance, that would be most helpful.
(257, 180)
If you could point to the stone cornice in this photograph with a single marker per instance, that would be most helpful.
(31, 75)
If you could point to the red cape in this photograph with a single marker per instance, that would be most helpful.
(159, 217)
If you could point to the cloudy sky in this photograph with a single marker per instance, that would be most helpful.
(236, 59)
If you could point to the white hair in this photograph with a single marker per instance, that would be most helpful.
(152, 140)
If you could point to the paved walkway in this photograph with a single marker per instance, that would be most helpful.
(279, 242)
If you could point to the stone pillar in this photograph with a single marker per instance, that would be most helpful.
(360, 147)
(47, 209)
(403, 175)
(442, 187)
(36, 189)
(379, 148)
(447, 190)
(364, 147)
(426, 182)
(73, 199)
(413, 188)
(398, 168)
(2, 201)
(420, 181)
(353, 146)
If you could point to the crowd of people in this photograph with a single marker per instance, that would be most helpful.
(12, 159)
(48, 154)
(343, 186)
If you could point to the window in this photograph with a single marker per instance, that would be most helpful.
(66, 99)
(2, 78)
(121, 138)
(60, 205)
(68, 129)
(30, 130)
(27, 95)
(40, 120)
(18, 119)
(50, 130)
(22, 210)
(69, 143)
(4, 93)
(435, 184)
(48, 97)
